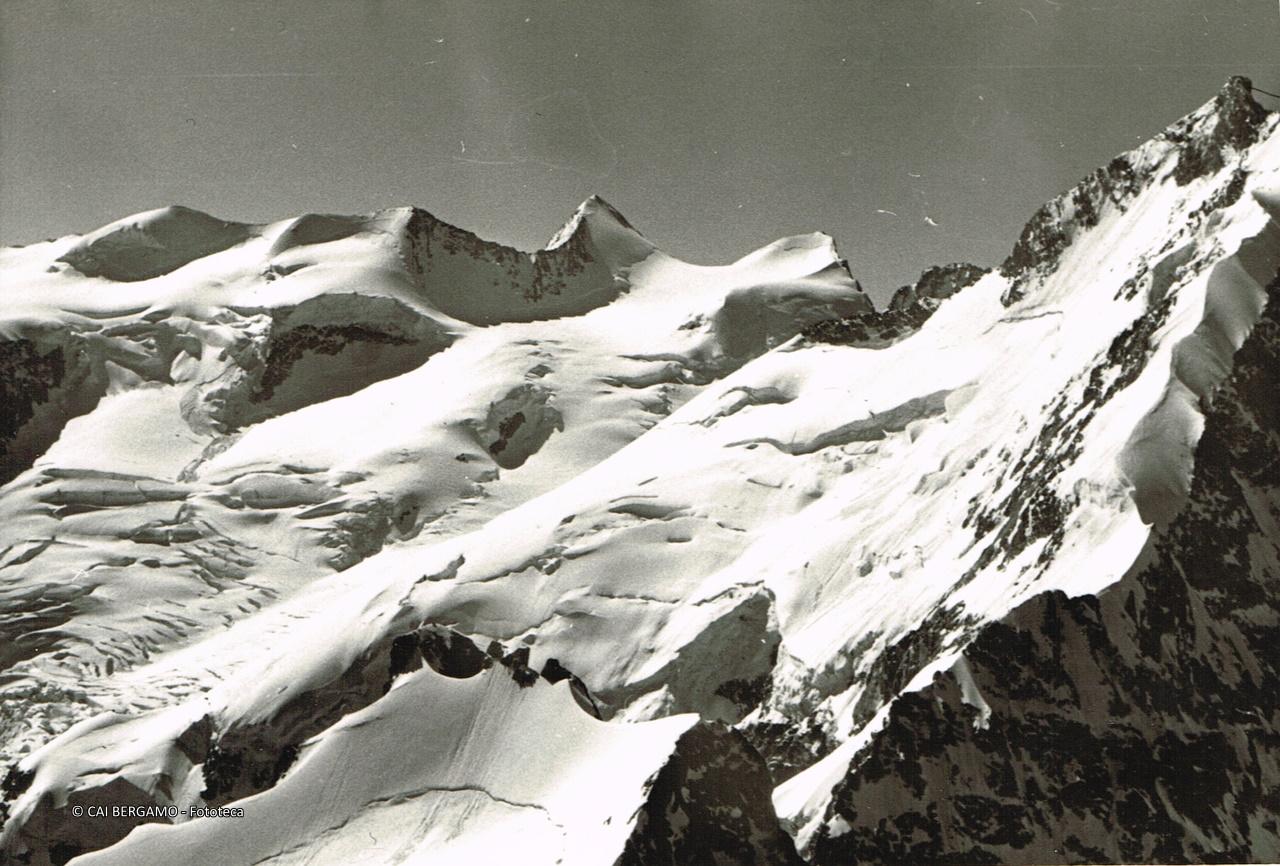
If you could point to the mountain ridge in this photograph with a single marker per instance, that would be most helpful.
(893, 574)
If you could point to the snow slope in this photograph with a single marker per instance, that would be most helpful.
(377, 530)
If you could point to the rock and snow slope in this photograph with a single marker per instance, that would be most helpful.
(415, 548)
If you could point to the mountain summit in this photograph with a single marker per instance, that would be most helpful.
(374, 539)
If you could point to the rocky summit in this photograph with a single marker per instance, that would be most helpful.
(363, 539)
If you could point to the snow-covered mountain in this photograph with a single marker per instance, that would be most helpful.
(401, 546)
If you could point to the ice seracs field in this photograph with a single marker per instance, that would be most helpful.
(417, 548)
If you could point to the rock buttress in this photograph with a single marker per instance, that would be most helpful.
(1139, 725)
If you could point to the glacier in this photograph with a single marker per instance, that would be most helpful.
(416, 548)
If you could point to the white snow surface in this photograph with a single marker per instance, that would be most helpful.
(689, 486)
(491, 763)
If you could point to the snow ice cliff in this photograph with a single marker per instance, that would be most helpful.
(416, 548)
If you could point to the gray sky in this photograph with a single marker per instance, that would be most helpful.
(714, 126)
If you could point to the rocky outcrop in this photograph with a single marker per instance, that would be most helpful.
(1200, 143)
(873, 330)
(1139, 725)
(1002, 593)
(1235, 123)
(484, 282)
(708, 800)
(709, 804)
(236, 759)
(1055, 226)
(755, 320)
(937, 284)
(27, 378)
(244, 759)
(320, 349)
(258, 363)
(909, 308)
(54, 373)
(518, 425)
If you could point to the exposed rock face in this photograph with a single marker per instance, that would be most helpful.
(373, 530)
(1201, 140)
(28, 377)
(55, 373)
(246, 757)
(709, 804)
(937, 284)
(574, 273)
(1055, 225)
(871, 330)
(756, 320)
(519, 424)
(1237, 118)
(1133, 726)
(322, 349)
(908, 309)
(110, 812)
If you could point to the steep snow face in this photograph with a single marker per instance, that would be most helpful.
(1107, 467)
(1133, 725)
(647, 562)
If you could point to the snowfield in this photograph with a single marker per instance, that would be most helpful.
(421, 549)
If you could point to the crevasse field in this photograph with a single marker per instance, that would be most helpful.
(420, 549)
